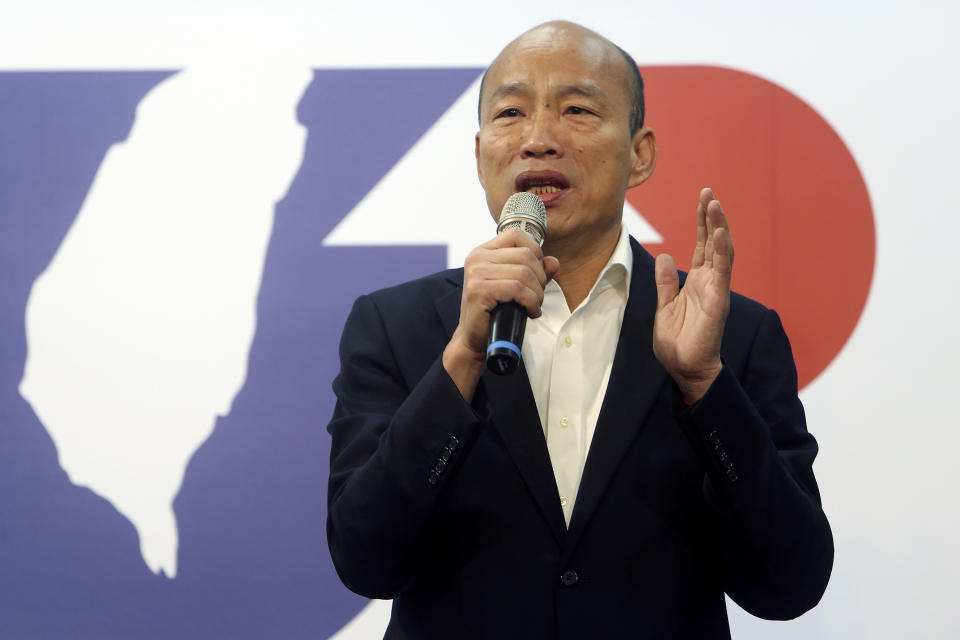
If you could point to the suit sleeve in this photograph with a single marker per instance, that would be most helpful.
(750, 431)
(394, 445)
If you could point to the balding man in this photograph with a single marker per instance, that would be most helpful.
(650, 455)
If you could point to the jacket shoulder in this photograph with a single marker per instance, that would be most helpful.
(418, 291)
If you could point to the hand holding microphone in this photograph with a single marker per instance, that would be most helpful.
(509, 268)
(508, 320)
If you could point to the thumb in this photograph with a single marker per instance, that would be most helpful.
(668, 282)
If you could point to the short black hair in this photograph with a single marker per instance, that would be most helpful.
(637, 110)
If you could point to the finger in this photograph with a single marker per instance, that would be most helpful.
(698, 251)
(483, 294)
(514, 238)
(716, 216)
(718, 220)
(668, 281)
(723, 255)
(523, 256)
(523, 274)
(516, 291)
(706, 201)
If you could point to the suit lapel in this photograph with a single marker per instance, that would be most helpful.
(513, 413)
(448, 305)
(636, 379)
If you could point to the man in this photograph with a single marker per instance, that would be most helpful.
(650, 455)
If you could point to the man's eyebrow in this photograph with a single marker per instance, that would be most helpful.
(508, 90)
(587, 90)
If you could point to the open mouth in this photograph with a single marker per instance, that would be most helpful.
(542, 183)
(540, 189)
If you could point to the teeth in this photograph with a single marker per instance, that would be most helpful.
(542, 188)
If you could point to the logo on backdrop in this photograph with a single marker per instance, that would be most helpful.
(799, 211)
(182, 250)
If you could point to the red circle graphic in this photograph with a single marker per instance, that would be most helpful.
(798, 207)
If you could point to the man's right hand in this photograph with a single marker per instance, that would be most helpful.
(509, 267)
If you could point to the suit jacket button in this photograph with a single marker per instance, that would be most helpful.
(453, 443)
(732, 475)
(433, 478)
(569, 578)
(440, 466)
(714, 437)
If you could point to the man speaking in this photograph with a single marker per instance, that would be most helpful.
(650, 453)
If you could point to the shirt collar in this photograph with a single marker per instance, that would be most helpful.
(615, 274)
(617, 271)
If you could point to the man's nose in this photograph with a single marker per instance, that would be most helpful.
(540, 138)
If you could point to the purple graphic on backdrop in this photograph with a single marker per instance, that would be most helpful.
(252, 556)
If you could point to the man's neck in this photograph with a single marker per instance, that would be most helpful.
(581, 261)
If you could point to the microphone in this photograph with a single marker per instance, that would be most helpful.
(508, 320)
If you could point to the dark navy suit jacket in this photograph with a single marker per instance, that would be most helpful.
(451, 509)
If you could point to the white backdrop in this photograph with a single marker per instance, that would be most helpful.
(882, 74)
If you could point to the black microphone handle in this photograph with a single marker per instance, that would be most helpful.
(508, 320)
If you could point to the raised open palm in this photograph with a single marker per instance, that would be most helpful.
(689, 322)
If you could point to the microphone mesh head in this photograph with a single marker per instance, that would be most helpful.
(525, 211)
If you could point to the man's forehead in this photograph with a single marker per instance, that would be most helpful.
(579, 61)
(562, 39)
(560, 34)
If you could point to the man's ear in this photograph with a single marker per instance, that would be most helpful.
(476, 152)
(643, 156)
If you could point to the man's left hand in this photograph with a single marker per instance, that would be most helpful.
(688, 327)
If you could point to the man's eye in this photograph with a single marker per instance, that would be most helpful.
(509, 113)
(576, 110)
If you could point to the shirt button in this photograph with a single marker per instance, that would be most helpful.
(569, 578)
(563, 501)
(567, 341)
(564, 421)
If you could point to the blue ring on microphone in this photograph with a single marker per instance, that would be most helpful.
(504, 343)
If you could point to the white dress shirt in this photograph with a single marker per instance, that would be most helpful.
(568, 357)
